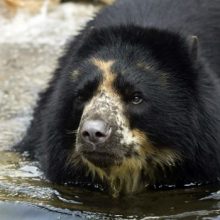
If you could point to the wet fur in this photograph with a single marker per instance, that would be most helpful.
(182, 125)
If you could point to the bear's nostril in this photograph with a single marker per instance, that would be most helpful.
(85, 134)
(99, 134)
(95, 131)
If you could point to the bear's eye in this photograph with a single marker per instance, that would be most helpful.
(136, 99)
(81, 98)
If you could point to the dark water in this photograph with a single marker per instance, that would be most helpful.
(26, 195)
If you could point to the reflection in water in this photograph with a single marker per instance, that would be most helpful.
(24, 189)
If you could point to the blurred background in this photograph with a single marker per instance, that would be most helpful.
(32, 36)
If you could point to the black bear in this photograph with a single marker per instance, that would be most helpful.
(135, 100)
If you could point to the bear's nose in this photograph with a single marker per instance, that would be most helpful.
(95, 131)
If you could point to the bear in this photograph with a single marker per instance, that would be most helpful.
(134, 103)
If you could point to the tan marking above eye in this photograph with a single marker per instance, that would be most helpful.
(75, 75)
(162, 75)
(108, 75)
(144, 66)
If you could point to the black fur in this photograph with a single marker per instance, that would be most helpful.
(183, 115)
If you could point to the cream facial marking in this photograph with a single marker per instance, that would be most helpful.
(107, 74)
(145, 66)
(75, 75)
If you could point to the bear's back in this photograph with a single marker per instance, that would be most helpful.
(189, 17)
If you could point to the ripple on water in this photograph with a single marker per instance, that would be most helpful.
(24, 190)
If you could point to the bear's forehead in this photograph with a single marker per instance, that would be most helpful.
(118, 77)
(108, 76)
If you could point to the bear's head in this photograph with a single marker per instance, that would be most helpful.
(134, 106)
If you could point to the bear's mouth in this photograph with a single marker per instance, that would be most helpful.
(102, 159)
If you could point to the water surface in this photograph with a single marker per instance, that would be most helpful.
(26, 194)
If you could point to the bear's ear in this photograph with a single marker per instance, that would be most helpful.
(193, 47)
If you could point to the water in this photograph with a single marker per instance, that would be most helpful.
(24, 190)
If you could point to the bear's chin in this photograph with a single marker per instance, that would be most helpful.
(102, 160)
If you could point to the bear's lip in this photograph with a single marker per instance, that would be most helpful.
(101, 159)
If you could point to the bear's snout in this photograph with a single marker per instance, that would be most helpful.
(95, 132)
